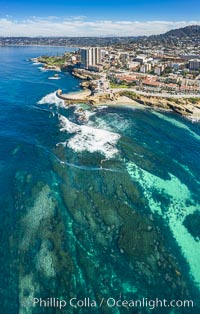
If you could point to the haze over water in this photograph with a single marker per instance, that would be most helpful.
(104, 208)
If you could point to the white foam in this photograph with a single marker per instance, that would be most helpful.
(90, 139)
(43, 69)
(51, 99)
(85, 113)
(54, 78)
(179, 207)
(89, 114)
(68, 126)
(36, 63)
(114, 122)
(194, 120)
(47, 69)
(102, 107)
(100, 124)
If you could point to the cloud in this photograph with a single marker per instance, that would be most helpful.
(80, 26)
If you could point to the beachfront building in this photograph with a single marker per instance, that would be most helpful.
(90, 57)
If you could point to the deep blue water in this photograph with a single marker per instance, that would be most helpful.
(106, 207)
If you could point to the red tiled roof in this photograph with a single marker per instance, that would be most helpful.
(152, 83)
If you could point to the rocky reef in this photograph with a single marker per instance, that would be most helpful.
(85, 230)
(188, 107)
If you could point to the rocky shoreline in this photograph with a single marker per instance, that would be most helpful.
(187, 107)
(182, 106)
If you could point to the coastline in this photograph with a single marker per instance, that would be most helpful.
(99, 199)
(185, 109)
(185, 105)
(122, 101)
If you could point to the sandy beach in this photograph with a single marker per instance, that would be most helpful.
(122, 101)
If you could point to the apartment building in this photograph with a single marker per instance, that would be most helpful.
(90, 56)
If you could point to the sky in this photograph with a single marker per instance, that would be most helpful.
(95, 18)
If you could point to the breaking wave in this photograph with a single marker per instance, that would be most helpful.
(51, 99)
(87, 138)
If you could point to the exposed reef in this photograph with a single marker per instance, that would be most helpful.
(188, 107)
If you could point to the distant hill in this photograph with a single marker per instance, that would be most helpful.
(192, 32)
(188, 31)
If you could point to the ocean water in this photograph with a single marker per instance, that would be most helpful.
(101, 207)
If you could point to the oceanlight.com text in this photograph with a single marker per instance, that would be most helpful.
(111, 303)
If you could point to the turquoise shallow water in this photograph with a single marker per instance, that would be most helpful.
(107, 207)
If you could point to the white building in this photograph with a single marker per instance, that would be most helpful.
(145, 68)
(90, 56)
(194, 64)
(142, 59)
(133, 65)
(159, 69)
